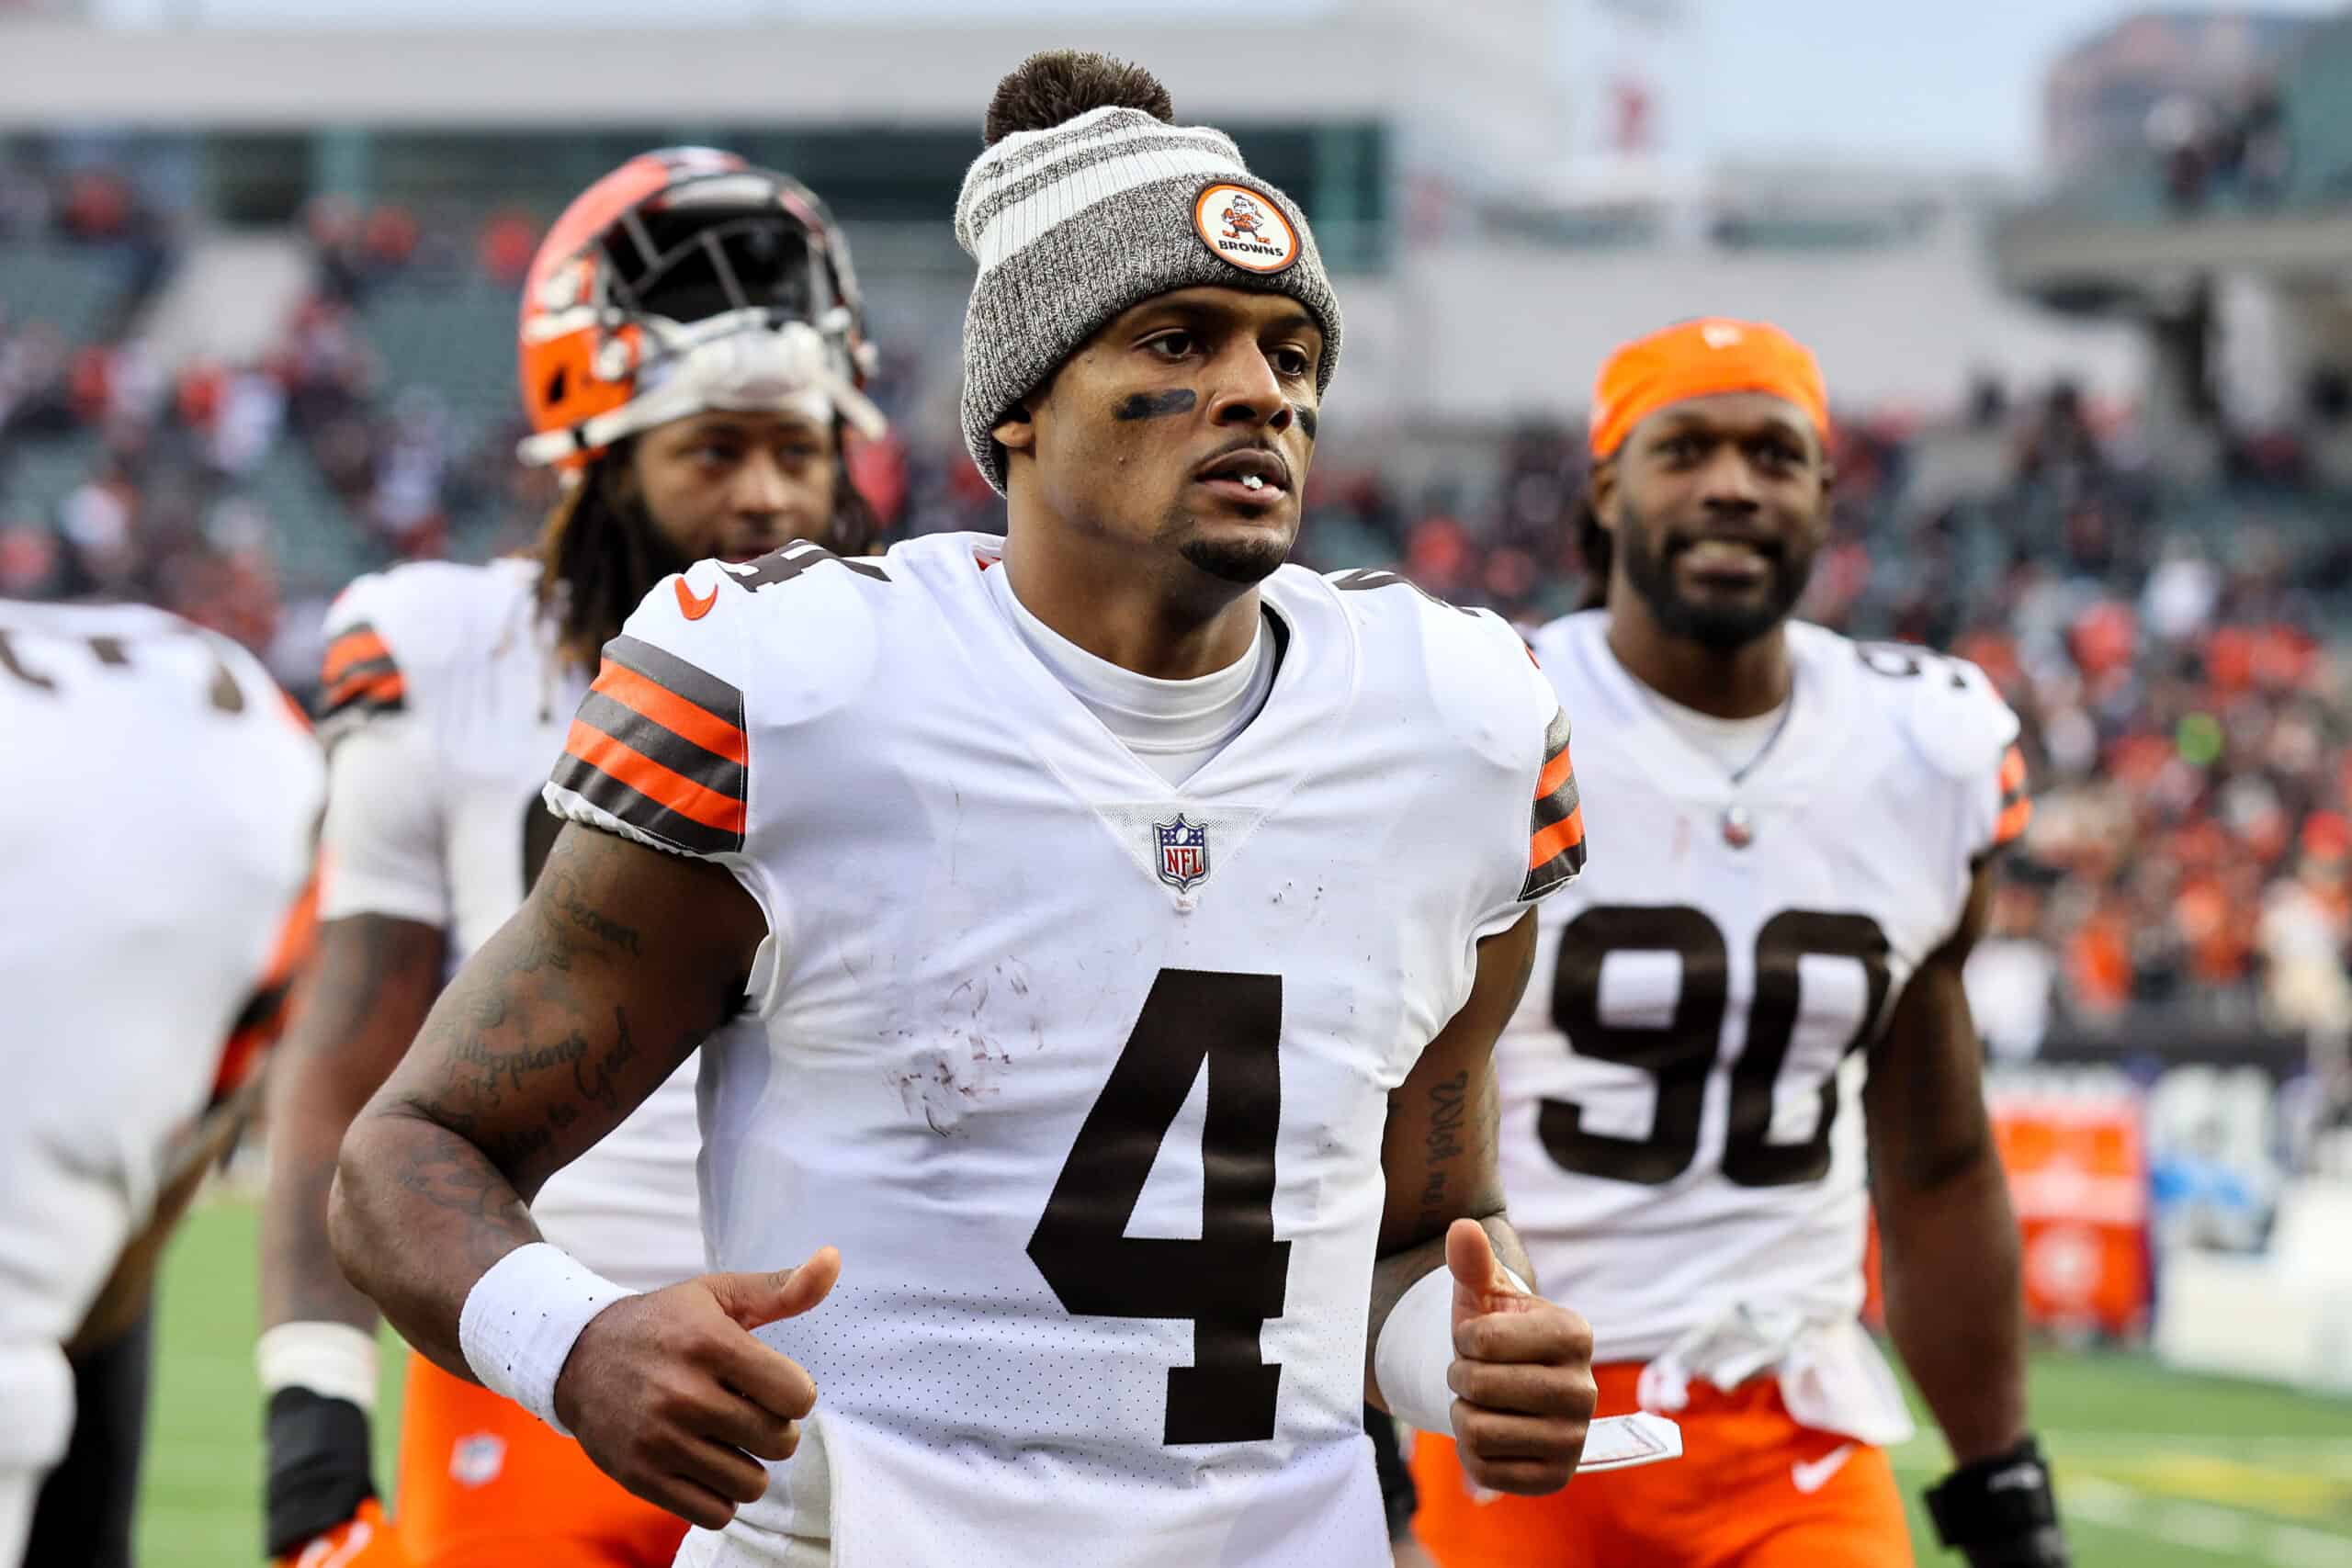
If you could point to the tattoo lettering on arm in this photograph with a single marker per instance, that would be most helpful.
(444, 1170)
(538, 1056)
(599, 1082)
(583, 917)
(560, 1025)
(1463, 1116)
(1439, 1150)
(490, 1072)
(1441, 1144)
(486, 1075)
(1451, 1126)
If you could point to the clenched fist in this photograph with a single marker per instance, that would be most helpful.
(673, 1397)
(1521, 1374)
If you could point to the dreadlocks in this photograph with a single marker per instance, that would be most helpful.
(599, 551)
(1596, 549)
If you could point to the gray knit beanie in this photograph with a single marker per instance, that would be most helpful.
(1088, 202)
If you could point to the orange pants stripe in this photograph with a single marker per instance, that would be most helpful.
(1752, 1490)
(485, 1484)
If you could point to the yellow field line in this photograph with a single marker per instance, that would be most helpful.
(2203, 1527)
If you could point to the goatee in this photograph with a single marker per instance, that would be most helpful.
(1724, 628)
(1245, 562)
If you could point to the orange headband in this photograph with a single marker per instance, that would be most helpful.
(1698, 359)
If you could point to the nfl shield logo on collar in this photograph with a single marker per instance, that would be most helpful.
(1184, 852)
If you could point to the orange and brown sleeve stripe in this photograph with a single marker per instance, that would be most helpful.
(267, 1010)
(660, 744)
(359, 678)
(2017, 807)
(1555, 832)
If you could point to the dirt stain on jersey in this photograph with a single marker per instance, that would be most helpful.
(949, 1081)
(962, 1060)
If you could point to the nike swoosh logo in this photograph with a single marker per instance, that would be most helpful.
(1811, 1478)
(693, 609)
(328, 1553)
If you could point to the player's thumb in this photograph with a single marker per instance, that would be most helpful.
(765, 1297)
(1479, 1282)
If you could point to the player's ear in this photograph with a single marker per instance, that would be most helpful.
(1600, 492)
(1015, 432)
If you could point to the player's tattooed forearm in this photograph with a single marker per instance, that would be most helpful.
(563, 890)
(450, 1172)
(508, 1148)
(480, 1074)
(597, 1080)
(1449, 1110)
(483, 1073)
(547, 944)
(513, 1150)
(1442, 1144)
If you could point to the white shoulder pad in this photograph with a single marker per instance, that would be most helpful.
(1955, 718)
(806, 620)
(1485, 680)
(1482, 679)
(1509, 738)
(663, 748)
(392, 635)
(433, 610)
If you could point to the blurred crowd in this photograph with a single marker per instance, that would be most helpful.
(184, 481)
(2234, 147)
(2186, 716)
(90, 207)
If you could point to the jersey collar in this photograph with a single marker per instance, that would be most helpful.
(1820, 705)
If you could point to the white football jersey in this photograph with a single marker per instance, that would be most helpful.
(1085, 1074)
(1681, 1131)
(442, 703)
(162, 798)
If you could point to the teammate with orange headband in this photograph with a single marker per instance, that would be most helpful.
(1797, 830)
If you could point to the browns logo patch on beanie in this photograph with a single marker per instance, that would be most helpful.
(1089, 200)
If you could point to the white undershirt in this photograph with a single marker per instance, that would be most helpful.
(1172, 727)
(1735, 743)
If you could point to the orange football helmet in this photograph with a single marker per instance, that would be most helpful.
(686, 280)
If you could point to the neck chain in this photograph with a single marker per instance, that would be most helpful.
(1735, 821)
(1788, 708)
(1738, 774)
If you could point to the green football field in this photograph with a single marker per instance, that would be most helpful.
(2156, 1470)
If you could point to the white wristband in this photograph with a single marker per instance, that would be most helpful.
(333, 1360)
(1416, 1351)
(521, 1318)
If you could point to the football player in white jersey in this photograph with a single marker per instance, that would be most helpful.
(1748, 1021)
(155, 857)
(691, 346)
(1125, 919)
